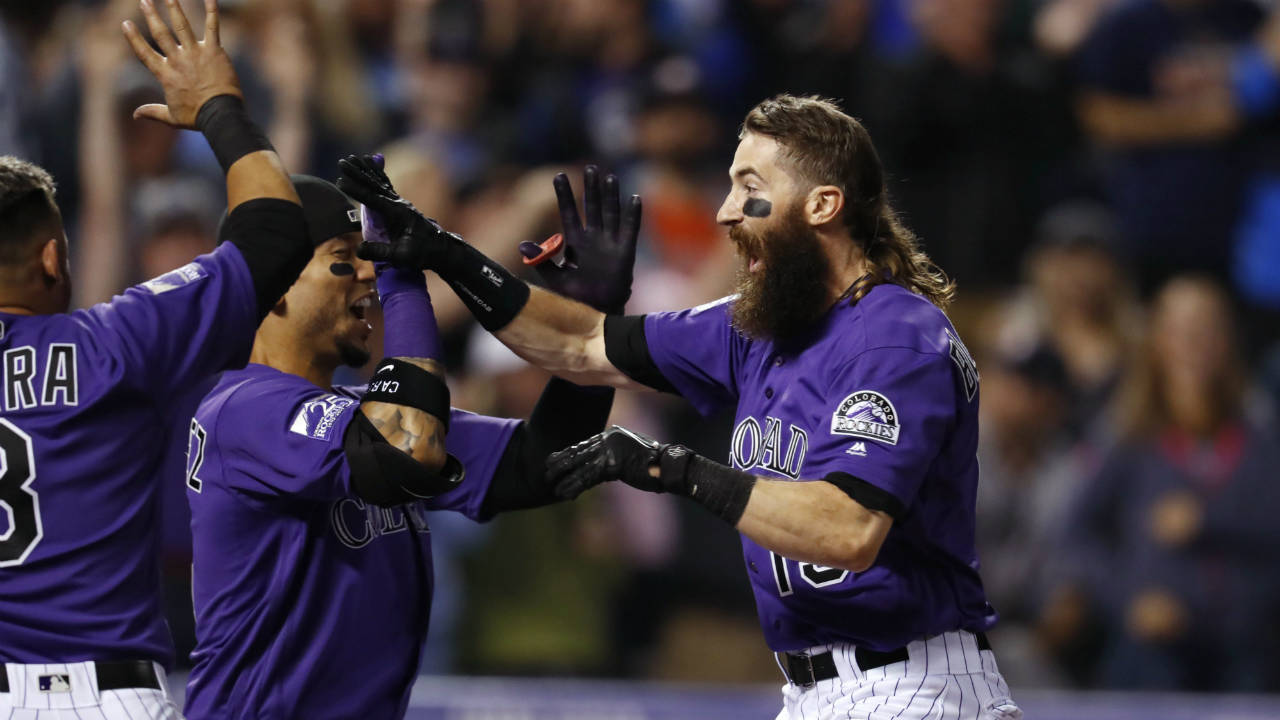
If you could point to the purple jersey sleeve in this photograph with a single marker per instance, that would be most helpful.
(285, 436)
(891, 411)
(187, 324)
(478, 442)
(698, 351)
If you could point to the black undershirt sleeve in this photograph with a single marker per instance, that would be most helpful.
(866, 494)
(565, 414)
(628, 350)
(272, 236)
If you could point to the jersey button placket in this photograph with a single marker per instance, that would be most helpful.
(768, 392)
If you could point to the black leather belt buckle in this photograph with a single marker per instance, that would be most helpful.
(808, 670)
(112, 675)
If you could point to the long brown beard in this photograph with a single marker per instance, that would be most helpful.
(784, 300)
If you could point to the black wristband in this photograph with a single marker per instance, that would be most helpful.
(722, 490)
(231, 134)
(492, 294)
(402, 383)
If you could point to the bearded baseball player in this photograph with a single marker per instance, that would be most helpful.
(81, 629)
(312, 555)
(853, 471)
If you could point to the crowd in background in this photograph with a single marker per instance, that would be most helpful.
(1101, 177)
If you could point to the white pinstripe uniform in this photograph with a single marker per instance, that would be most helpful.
(947, 677)
(881, 401)
(69, 691)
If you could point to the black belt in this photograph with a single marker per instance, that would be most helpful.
(112, 675)
(805, 670)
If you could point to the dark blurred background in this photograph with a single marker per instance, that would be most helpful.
(1101, 177)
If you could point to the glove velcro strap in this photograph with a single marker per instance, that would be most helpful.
(673, 468)
(231, 134)
(722, 490)
(402, 383)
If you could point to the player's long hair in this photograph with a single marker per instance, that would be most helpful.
(828, 147)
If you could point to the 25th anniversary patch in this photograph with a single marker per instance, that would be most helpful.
(867, 414)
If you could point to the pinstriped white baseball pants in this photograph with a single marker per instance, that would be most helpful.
(946, 678)
(78, 698)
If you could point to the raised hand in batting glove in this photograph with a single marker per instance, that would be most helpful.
(590, 262)
(619, 454)
(492, 294)
(412, 241)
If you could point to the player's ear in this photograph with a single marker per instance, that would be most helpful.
(824, 204)
(279, 308)
(53, 261)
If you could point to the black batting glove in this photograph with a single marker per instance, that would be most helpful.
(414, 242)
(596, 262)
(619, 454)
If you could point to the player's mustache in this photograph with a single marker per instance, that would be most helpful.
(747, 242)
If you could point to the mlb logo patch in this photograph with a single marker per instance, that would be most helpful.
(54, 683)
(316, 418)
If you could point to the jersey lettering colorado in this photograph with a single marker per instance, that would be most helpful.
(297, 581)
(888, 394)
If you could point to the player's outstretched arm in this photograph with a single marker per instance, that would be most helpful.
(396, 447)
(553, 332)
(827, 522)
(202, 92)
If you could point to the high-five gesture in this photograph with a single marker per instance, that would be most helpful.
(595, 263)
(191, 71)
(410, 240)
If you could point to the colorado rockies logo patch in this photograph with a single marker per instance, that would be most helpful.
(868, 414)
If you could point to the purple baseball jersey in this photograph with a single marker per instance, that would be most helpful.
(86, 396)
(309, 602)
(885, 392)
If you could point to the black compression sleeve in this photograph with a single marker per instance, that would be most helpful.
(565, 414)
(271, 234)
(628, 350)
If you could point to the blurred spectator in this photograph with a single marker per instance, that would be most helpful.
(969, 134)
(22, 25)
(1079, 305)
(121, 161)
(1176, 533)
(1156, 102)
(1062, 25)
(1029, 473)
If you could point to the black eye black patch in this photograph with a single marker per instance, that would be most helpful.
(757, 208)
(341, 269)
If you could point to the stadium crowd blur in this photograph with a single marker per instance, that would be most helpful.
(1101, 177)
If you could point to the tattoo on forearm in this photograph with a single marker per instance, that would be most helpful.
(409, 430)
